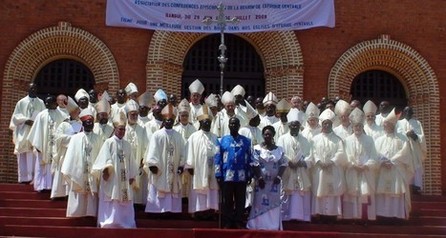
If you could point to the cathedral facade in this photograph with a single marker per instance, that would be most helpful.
(403, 38)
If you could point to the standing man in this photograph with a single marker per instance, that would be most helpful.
(81, 154)
(43, 138)
(220, 128)
(22, 119)
(116, 169)
(281, 127)
(359, 198)
(136, 135)
(62, 103)
(201, 148)
(342, 110)
(102, 127)
(64, 132)
(296, 179)
(413, 129)
(384, 110)
(269, 102)
(312, 126)
(145, 103)
(196, 90)
(165, 161)
(396, 168)
(119, 106)
(328, 179)
(132, 91)
(370, 127)
(232, 170)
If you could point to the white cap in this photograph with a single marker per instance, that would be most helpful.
(392, 117)
(80, 94)
(106, 96)
(159, 95)
(131, 105)
(103, 106)
(85, 114)
(250, 111)
(71, 104)
(212, 100)
(283, 106)
(370, 108)
(357, 116)
(270, 98)
(131, 88)
(145, 99)
(327, 114)
(227, 97)
(238, 90)
(196, 87)
(294, 115)
(312, 111)
(184, 106)
(342, 107)
(120, 120)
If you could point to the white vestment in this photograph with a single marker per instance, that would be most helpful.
(221, 126)
(309, 133)
(137, 137)
(26, 108)
(42, 137)
(194, 109)
(200, 151)
(185, 132)
(328, 179)
(373, 130)
(64, 131)
(104, 131)
(343, 131)
(392, 189)
(296, 181)
(418, 148)
(166, 152)
(115, 208)
(115, 110)
(267, 121)
(281, 129)
(361, 184)
(76, 168)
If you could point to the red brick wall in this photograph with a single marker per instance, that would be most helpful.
(419, 24)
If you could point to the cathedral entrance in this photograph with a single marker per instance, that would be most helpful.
(64, 76)
(378, 86)
(244, 66)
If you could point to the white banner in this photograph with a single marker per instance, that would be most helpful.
(188, 15)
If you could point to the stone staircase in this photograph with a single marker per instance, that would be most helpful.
(24, 212)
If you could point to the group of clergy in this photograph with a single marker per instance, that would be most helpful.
(109, 154)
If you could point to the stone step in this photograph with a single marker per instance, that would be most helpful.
(32, 203)
(24, 195)
(75, 232)
(45, 221)
(32, 212)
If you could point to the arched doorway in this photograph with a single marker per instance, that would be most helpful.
(64, 76)
(378, 86)
(244, 66)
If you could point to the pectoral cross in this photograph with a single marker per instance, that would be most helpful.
(221, 21)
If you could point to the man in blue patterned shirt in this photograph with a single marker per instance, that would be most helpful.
(232, 171)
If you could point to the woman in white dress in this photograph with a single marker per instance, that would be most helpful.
(269, 165)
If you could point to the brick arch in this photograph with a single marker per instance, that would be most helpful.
(415, 74)
(283, 75)
(43, 46)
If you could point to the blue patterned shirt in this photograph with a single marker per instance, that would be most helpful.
(232, 164)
